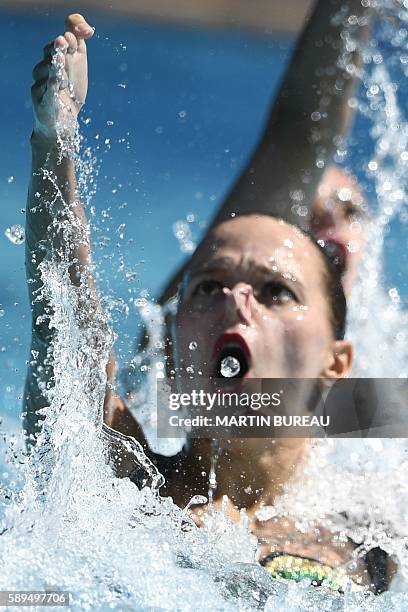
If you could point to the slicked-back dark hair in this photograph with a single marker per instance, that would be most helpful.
(334, 287)
(335, 294)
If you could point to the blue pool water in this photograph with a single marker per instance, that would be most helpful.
(181, 108)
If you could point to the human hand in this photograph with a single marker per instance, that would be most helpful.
(61, 82)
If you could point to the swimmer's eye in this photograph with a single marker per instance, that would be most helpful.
(351, 211)
(207, 288)
(276, 293)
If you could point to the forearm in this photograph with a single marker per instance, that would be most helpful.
(52, 208)
(53, 203)
(310, 115)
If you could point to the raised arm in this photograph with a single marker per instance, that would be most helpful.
(308, 118)
(56, 224)
(58, 93)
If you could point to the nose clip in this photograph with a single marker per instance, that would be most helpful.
(243, 300)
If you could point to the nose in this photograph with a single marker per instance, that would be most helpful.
(330, 220)
(240, 300)
(323, 222)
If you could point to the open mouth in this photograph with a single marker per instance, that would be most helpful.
(232, 357)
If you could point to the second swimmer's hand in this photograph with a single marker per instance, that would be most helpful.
(61, 82)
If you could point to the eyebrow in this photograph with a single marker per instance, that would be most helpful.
(227, 263)
(213, 265)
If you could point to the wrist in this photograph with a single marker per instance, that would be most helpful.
(47, 153)
(48, 149)
(42, 142)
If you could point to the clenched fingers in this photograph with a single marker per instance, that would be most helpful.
(72, 42)
(46, 72)
(78, 27)
(77, 24)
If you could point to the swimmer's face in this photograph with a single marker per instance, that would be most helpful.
(337, 217)
(259, 283)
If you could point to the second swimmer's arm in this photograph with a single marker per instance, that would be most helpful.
(309, 116)
(283, 166)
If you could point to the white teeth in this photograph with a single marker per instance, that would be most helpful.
(230, 367)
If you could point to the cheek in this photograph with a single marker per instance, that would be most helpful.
(194, 337)
(292, 342)
(352, 236)
(356, 242)
(306, 344)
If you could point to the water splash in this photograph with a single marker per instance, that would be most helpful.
(216, 450)
(183, 232)
(15, 233)
(377, 322)
(140, 377)
(74, 526)
(359, 485)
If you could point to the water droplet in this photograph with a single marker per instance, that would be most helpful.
(131, 276)
(182, 114)
(15, 233)
(193, 345)
(197, 499)
(10, 179)
(394, 295)
(230, 367)
(183, 234)
(353, 246)
(316, 116)
(345, 194)
(120, 230)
